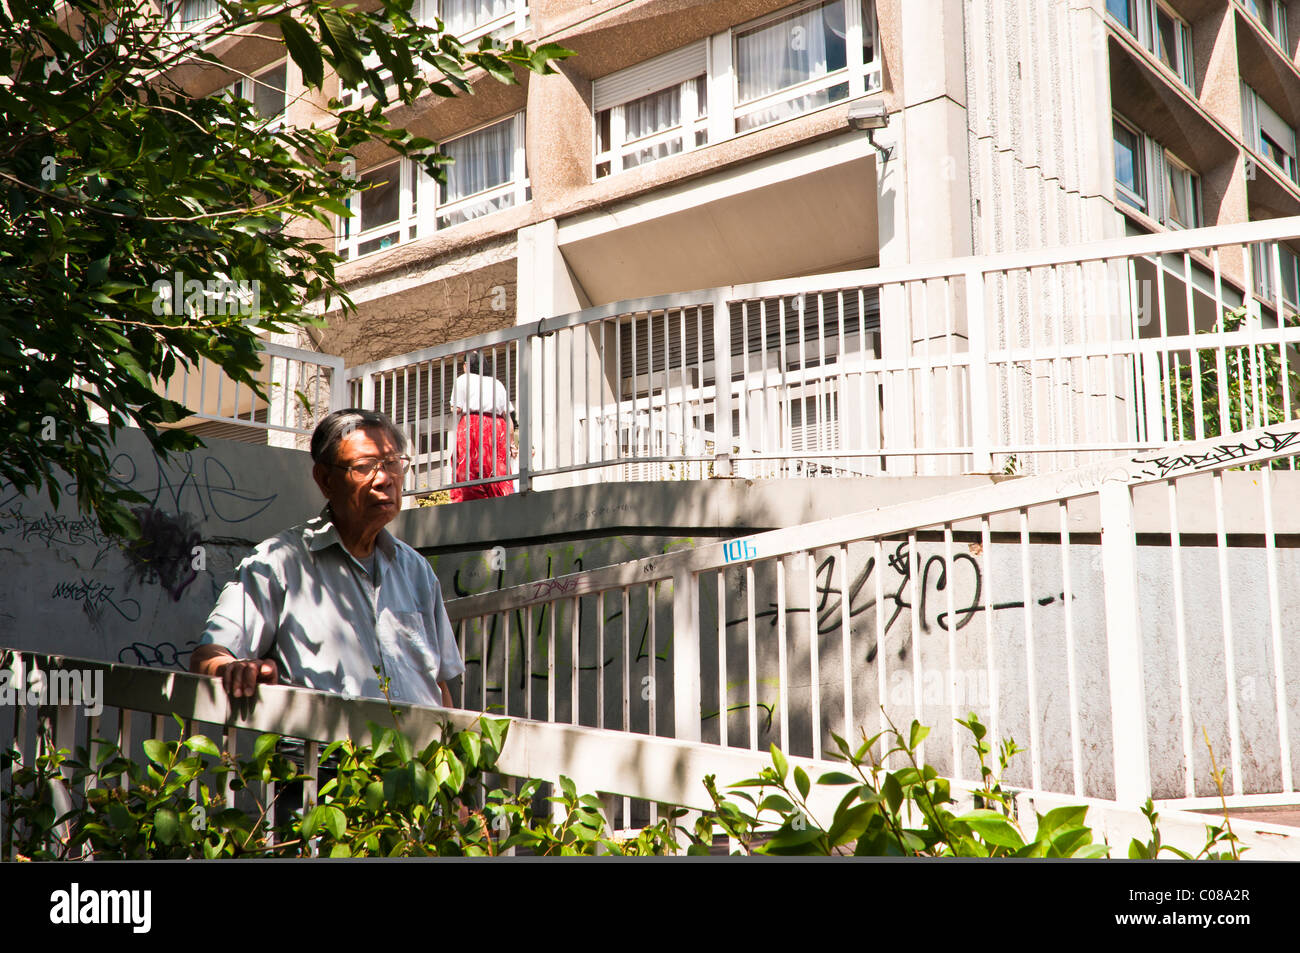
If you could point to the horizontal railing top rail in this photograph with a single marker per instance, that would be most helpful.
(1194, 239)
(662, 770)
(1207, 456)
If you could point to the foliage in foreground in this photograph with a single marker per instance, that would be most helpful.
(388, 799)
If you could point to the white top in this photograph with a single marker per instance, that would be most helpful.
(304, 600)
(480, 394)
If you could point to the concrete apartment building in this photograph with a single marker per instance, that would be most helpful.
(692, 145)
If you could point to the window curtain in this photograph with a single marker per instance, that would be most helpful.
(484, 160)
(653, 113)
(791, 50)
(461, 16)
(196, 11)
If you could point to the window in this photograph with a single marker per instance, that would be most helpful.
(1153, 180)
(1130, 167)
(1162, 31)
(1265, 269)
(397, 201)
(656, 109)
(794, 61)
(1272, 14)
(1268, 133)
(470, 19)
(467, 20)
(488, 175)
(192, 14)
(801, 59)
(265, 90)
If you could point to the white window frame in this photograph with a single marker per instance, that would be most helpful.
(612, 94)
(1262, 268)
(1145, 28)
(1183, 57)
(1152, 163)
(1256, 120)
(861, 77)
(195, 26)
(1138, 198)
(420, 211)
(426, 12)
(1278, 9)
(517, 190)
(245, 88)
(512, 23)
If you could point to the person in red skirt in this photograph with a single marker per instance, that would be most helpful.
(483, 412)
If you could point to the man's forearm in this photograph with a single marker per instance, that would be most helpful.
(210, 659)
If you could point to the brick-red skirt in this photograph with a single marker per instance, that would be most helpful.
(476, 459)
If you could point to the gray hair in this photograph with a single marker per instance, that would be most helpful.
(329, 433)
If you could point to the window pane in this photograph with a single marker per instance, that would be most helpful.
(792, 107)
(1290, 288)
(791, 50)
(654, 113)
(460, 16)
(484, 160)
(1128, 163)
(195, 11)
(1181, 208)
(1166, 40)
(268, 92)
(1121, 11)
(380, 203)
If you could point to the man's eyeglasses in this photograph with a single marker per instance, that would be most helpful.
(365, 468)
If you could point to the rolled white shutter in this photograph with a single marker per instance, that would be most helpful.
(649, 77)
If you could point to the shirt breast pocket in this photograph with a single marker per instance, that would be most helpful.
(413, 641)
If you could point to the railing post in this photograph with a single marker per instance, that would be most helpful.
(722, 384)
(977, 344)
(686, 657)
(368, 390)
(1128, 716)
(338, 383)
(524, 410)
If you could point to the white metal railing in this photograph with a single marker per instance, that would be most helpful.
(1019, 362)
(1104, 617)
(302, 387)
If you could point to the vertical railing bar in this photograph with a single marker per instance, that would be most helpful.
(550, 661)
(846, 643)
(1180, 640)
(955, 684)
(927, 378)
(814, 666)
(483, 668)
(1220, 353)
(1164, 354)
(950, 372)
(1036, 753)
(627, 662)
(990, 655)
(652, 606)
(1229, 652)
(783, 669)
(600, 652)
(575, 659)
(1071, 673)
(1194, 357)
(882, 684)
(722, 653)
(753, 656)
(528, 636)
(914, 648)
(505, 662)
(1275, 625)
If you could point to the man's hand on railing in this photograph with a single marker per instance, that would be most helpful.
(238, 676)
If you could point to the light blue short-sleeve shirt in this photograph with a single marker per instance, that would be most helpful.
(304, 600)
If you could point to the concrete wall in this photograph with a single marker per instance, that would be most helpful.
(70, 589)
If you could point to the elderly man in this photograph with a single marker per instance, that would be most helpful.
(326, 603)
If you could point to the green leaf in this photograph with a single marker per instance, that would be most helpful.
(916, 735)
(893, 792)
(166, 825)
(775, 802)
(334, 821)
(303, 49)
(837, 777)
(201, 744)
(1070, 816)
(156, 751)
(264, 746)
(994, 828)
(801, 782)
(778, 760)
